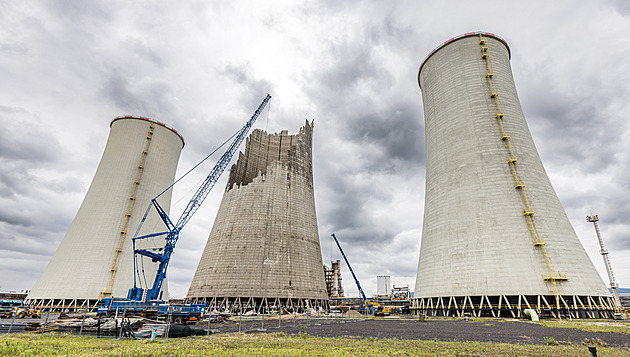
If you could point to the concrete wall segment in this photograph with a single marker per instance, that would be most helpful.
(264, 241)
(469, 34)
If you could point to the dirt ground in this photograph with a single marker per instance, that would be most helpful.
(502, 331)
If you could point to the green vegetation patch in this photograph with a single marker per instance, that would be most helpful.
(27, 344)
(618, 326)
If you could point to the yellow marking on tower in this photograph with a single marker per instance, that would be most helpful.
(550, 276)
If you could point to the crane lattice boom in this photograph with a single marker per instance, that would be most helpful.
(364, 302)
(172, 234)
(604, 253)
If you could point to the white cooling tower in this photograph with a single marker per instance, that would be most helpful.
(495, 237)
(95, 258)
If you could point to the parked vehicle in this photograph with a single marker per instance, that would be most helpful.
(6, 307)
(24, 311)
(152, 309)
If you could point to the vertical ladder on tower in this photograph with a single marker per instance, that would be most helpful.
(132, 199)
(550, 276)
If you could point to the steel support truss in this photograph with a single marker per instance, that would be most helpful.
(260, 304)
(571, 306)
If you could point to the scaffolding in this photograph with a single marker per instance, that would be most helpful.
(401, 293)
(550, 276)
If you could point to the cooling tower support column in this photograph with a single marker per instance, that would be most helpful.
(484, 251)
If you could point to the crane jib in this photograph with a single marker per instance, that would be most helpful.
(364, 303)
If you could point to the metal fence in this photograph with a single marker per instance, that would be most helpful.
(125, 325)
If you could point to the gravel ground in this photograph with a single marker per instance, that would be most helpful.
(498, 331)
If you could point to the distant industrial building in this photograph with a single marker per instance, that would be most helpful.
(334, 285)
(264, 249)
(624, 296)
(382, 285)
(95, 258)
(495, 237)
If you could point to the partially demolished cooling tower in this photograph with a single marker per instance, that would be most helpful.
(263, 249)
(495, 238)
(95, 258)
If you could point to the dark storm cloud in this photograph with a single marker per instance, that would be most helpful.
(396, 130)
(393, 127)
(23, 215)
(23, 139)
(353, 69)
(356, 87)
(347, 214)
(116, 90)
(379, 129)
(38, 243)
(576, 124)
(33, 181)
(616, 211)
(569, 128)
(391, 34)
(148, 53)
(211, 129)
(140, 96)
(4, 109)
(351, 197)
(255, 87)
(13, 219)
(11, 180)
(621, 6)
(366, 234)
(32, 228)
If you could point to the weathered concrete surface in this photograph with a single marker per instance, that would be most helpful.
(264, 242)
(475, 239)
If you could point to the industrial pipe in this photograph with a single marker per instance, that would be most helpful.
(532, 314)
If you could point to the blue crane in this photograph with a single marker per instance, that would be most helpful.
(364, 303)
(172, 232)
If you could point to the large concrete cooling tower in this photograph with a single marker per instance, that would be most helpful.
(95, 258)
(495, 238)
(264, 249)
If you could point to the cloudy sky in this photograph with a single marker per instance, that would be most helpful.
(68, 67)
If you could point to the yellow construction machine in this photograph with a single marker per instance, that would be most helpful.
(23, 311)
(378, 309)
